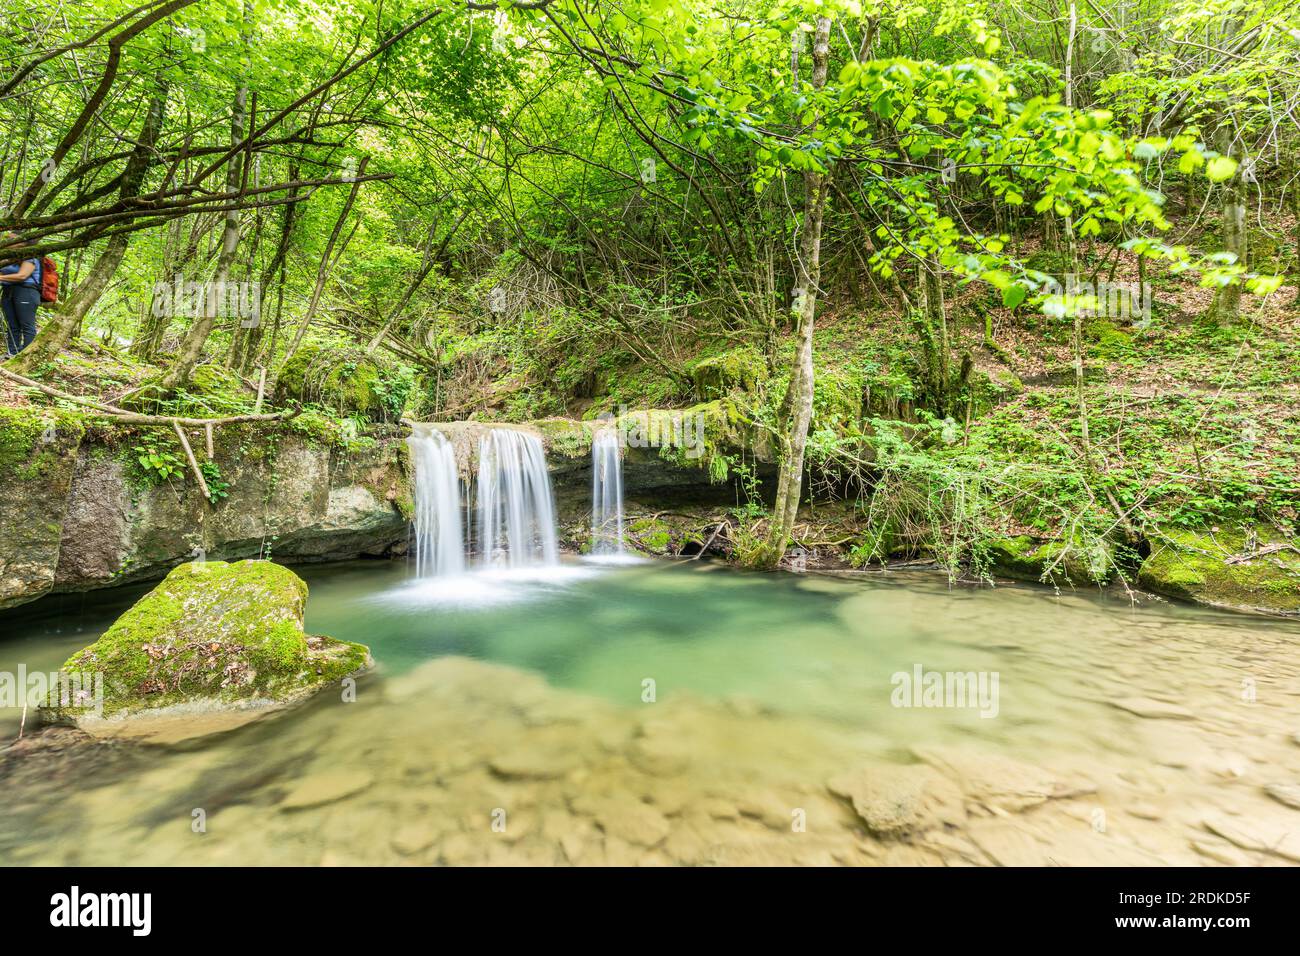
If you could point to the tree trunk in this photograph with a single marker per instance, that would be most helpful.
(1226, 309)
(65, 322)
(191, 348)
(797, 407)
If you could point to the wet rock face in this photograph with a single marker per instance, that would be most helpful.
(1254, 570)
(672, 464)
(78, 516)
(212, 640)
(37, 455)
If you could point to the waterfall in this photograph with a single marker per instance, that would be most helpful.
(606, 494)
(439, 542)
(516, 517)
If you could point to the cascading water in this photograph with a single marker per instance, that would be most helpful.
(606, 494)
(516, 516)
(439, 540)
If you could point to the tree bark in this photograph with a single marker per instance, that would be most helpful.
(797, 407)
(1226, 308)
(191, 348)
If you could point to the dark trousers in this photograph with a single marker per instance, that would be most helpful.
(19, 303)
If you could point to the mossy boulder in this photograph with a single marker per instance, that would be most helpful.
(567, 437)
(987, 389)
(212, 637)
(347, 381)
(701, 436)
(1253, 569)
(741, 369)
(1025, 558)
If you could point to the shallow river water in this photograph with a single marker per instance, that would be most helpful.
(660, 713)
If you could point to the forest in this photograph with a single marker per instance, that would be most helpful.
(986, 291)
(1063, 248)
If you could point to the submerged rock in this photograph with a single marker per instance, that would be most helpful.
(1152, 709)
(213, 646)
(895, 800)
(1252, 570)
(1001, 783)
(1260, 836)
(328, 786)
(1287, 794)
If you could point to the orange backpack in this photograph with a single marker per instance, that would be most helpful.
(49, 280)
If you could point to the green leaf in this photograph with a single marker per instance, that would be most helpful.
(1189, 161)
(1220, 168)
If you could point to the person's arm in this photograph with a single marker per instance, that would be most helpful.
(24, 271)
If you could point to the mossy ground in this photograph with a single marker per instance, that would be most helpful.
(33, 440)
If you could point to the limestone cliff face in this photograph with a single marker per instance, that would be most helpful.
(77, 511)
(682, 470)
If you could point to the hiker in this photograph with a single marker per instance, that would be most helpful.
(20, 294)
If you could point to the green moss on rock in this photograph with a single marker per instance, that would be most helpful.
(214, 634)
(1264, 574)
(1108, 342)
(348, 381)
(740, 369)
(567, 438)
(34, 441)
(702, 436)
(651, 535)
(1025, 558)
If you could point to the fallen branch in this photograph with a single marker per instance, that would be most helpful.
(194, 464)
(136, 418)
(698, 554)
(1271, 549)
